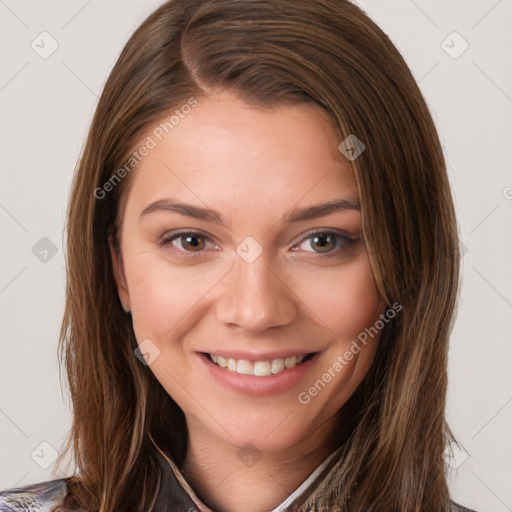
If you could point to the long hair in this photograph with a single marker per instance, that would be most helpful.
(270, 52)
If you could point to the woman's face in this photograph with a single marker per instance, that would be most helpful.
(230, 254)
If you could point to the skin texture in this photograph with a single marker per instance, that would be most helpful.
(253, 166)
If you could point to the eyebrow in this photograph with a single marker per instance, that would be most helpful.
(210, 215)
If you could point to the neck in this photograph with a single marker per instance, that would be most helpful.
(230, 479)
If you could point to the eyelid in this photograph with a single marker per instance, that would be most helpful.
(173, 233)
(322, 231)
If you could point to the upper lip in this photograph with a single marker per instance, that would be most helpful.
(258, 356)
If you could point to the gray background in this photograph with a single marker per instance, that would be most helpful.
(46, 107)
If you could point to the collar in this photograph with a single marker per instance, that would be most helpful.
(284, 506)
(176, 491)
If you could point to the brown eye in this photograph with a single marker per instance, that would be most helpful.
(192, 243)
(323, 242)
(327, 243)
(187, 243)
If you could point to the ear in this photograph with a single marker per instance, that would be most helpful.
(119, 276)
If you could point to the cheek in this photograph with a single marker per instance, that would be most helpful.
(159, 295)
(165, 298)
(345, 300)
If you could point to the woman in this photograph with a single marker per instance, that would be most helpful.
(262, 272)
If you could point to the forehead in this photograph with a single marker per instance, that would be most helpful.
(227, 154)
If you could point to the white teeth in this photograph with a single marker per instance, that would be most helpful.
(244, 367)
(258, 368)
(262, 369)
(277, 365)
(289, 362)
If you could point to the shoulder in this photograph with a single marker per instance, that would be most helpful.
(55, 496)
(50, 496)
(459, 508)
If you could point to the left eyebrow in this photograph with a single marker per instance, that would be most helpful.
(319, 210)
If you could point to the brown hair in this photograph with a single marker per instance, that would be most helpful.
(270, 52)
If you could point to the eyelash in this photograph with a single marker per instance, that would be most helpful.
(345, 241)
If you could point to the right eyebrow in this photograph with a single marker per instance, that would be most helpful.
(198, 212)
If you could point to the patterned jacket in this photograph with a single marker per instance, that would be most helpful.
(175, 495)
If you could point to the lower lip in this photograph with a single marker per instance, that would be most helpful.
(253, 385)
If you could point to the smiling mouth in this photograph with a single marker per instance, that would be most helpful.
(259, 368)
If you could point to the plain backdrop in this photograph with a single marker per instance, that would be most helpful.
(55, 57)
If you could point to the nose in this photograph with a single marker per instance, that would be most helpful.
(255, 298)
